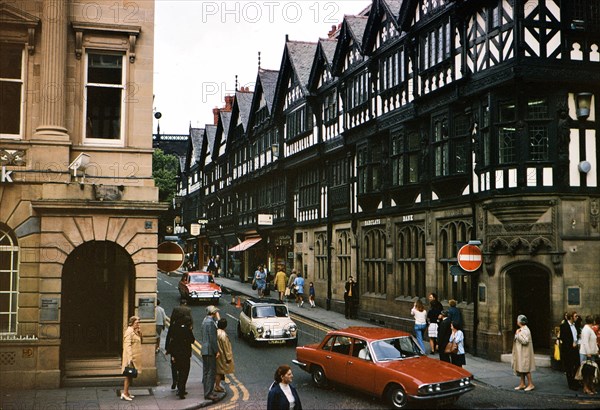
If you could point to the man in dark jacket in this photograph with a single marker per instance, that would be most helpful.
(180, 312)
(180, 343)
(210, 351)
(350, 298)
(444, 332)
(569, 352)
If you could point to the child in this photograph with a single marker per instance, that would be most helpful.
(311, 294)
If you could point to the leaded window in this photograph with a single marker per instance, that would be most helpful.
(330, 108)
(507, 135)
(320, 255)
(374, 261)
(404, 157)
(538, 118)
(453, 234)
(410, 260)
(343, 253)
(441, 145)
(9, 281)
(298, 122)
(369, 168)
(308, 189)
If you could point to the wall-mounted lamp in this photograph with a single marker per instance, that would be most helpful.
(275, 150)
(583, 102)
(80, 163)
(584, 166)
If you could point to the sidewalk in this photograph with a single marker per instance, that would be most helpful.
(497, 374)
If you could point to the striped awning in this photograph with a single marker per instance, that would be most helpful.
(245, 245)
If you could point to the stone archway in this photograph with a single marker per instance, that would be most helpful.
(97, 286)
(530, 289)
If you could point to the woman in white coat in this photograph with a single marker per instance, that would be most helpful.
(523, 360)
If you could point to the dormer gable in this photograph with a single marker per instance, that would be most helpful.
(321, 73)
(262, 99)
(294, 74)
(382, 26)
(18, 26)
(349, 51)
(415, 11)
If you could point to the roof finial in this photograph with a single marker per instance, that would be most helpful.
(259, 60)
(236, 83)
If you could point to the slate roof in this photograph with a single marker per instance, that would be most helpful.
(225, 120)
(211, 133)
(196, 136)
(301, 55)
(394, 6)
(244, 103)
(357, 25)
(328, 45)
(268, 81)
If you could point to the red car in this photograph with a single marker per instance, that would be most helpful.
(385, 363)
(199, 286)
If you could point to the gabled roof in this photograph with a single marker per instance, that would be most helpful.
(267, 80)
(328, 45)
(300, 55)
(391, 8)
(322, 60)
(196, 135)
(243, 100)
(353, 28)
(211, 134)
(221, 134)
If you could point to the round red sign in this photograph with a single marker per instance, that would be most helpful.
(470, 258)
(170, 256)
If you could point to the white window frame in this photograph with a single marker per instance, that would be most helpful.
(105, 141)
(23, 86)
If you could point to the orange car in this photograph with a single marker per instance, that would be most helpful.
(199, 286)
(384, 363)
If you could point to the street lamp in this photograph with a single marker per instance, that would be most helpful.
(583, 102)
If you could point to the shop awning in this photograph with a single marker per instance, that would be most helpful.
(245, 245)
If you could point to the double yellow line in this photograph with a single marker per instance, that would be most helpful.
(238, 390)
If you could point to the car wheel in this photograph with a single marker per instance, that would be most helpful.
(396, 397)
(252, 338)
(318, 376)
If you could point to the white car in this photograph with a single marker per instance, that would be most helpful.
(268, 321)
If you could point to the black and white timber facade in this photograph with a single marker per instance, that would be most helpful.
(421, 125)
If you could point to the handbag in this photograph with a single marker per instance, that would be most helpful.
(130, 371)
(451, 348)
(557, 351)
(287, 292)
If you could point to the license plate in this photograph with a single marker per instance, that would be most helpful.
(276, 342)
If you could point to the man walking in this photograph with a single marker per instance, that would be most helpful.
(210, 351)
(569, 352)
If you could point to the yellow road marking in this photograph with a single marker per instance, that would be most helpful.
(309, 322)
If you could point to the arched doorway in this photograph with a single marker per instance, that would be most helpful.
(97, 284)
(530, 285)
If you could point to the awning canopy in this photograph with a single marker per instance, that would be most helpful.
(245, 245)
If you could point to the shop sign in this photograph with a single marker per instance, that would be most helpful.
(5, 176)
(195, 229)
(146, 308)
(49, 310)
(372, 222)
(265, 219)
(284, 240)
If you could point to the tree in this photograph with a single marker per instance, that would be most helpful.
(164, 172)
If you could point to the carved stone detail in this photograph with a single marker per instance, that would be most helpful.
(594, 212)
(108, 192)
(15, 157)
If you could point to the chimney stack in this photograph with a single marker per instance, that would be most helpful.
(216, 115)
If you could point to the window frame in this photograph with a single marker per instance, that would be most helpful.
(123, 86)
(13, 272)
(22, 103)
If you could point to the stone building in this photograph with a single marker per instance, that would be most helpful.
(78, 205)
(414, 128)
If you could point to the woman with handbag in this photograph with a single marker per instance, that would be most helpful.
(132, 351)
(588, 350)
(457, 353)
(523, 361)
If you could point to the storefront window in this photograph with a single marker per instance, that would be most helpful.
(9, 280)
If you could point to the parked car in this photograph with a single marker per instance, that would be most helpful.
(199, 286)
(385, 363)
(267, 320)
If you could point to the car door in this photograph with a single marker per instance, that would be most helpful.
(336, 358)
(360, 368)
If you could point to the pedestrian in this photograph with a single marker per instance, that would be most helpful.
(290, 283)
(161, 322)
(444, 332)
(588, 350)
(523, 360)
(350, 295)
(454, 313)
(210, 351)
(132, 353)
(260, 279)
(282, 394)
(458, 337)
(299, 287)
(212, 265)
(181, 339)
(311, 294)
(435, 308)
(569, 353)
(179, 313)
(281, 282)
(420, 314)
(225, 364)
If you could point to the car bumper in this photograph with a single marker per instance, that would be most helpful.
(443, 395)
(301, 365)
(275, 339)
(204, 296)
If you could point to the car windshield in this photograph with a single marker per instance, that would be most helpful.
(394, 349)
(269, 311)
(201, 279)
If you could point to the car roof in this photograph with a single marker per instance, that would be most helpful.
(265, 301)
(370, 333)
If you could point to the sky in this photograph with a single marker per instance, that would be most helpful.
(200, 46)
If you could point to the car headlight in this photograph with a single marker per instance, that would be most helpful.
(268, 333)
(259, 329)
(216, 293)
(292, 328)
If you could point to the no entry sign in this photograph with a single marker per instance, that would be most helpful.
(170, 256)
(470, 258)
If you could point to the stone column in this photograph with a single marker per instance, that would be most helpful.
(53, 71)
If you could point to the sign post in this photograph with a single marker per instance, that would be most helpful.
(470, 258)
(170, 256)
